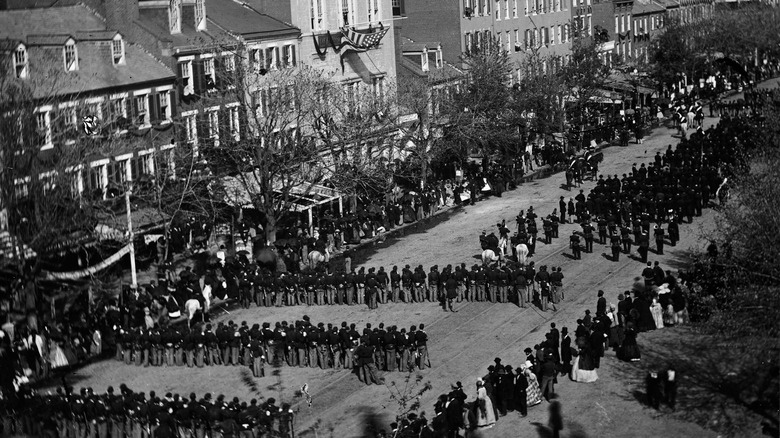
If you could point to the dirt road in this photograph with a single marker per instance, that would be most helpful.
(463, 343)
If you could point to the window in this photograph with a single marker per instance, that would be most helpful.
(118, 50)
(43, 127)
(374, 13)
(210, 74)
(229, 62)
(560, 34)
(378, 87)
(315, 6)
(98, 178)
(617, 25)
(117, 172)
(498, 9)
(141, 110)
(468, 42)
(506, 9)
(536, 39)
(213, 125)
(271, 58)
(546, 35)
(348, 13)
(22, 187)
(200, 14)
(590, 26)
(118, 108)
(234, 123)
(164, 104)
(508, 42)
(21, 61)
(566, 32)
(288, 56)
(71, 56)
(514, 8)
(191, 127)
(260, 100)
(527, 39)
(439, 58)
(527, 7)
(398, 7)
(174, 16)
(628, 22)
(185, 73)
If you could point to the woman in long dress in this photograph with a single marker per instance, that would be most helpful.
(533, 392)
(615, 330)
(485, 414)
(658, 313)
(583, 369)
(629, 351)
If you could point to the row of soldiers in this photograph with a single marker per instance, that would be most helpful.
(368, 287)
(69, 414)
(620, 239)
(299, 343)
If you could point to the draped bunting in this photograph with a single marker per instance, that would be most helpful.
(73, 275)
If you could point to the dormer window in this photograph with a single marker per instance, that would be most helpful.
(200, 14)
(71, 56)
(174, 16)
(439, 60)
(21, 62)
(425, 61)
(118, 50)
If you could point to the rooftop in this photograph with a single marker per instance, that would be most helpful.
(242, 19)
(44, 31)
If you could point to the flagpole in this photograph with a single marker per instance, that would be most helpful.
(371, 22)
(133, 276)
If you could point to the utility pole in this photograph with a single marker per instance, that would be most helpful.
(133, 277)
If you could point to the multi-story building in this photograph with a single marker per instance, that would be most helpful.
(202, 41)
(648, 18)
(327, 23)
(88, 80)
(518, 25)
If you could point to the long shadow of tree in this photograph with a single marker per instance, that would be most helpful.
(720, 385)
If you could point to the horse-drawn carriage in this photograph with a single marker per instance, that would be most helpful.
(583, 166)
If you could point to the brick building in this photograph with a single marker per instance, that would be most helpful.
(80, 67)
(519, 25)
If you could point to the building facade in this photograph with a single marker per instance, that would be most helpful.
(518, 25)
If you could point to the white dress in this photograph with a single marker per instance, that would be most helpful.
(658, 313)
(485, 418)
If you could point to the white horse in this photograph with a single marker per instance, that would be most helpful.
(192, 305)
(522, 253)
(488, 256)
(316, 257)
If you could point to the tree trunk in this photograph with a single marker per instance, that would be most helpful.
(270, 230)
(423, 173)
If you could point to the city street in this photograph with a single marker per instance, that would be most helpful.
(462, 344)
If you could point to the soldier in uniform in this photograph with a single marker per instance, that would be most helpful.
(372, 286)
(615, 244)
(406, 282)
(574, 244)
(644, 245)
(377, 339)
(421, 342)
(471, 283)
(587, 230)
(395, 284)
(312, 342)
(360, 282)
(659, 239)
(258, 357)
(519, 283)
(402, 344)
(351, 286)
(391, 358)
(625, 238)
(481, 278)
(674, 231)
(602, 225)
(383, 279)
(418, 277)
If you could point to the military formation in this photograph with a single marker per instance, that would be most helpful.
(135, 414)
(632, 210)
(296, 344)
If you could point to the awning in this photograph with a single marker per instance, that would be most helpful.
(302, 197)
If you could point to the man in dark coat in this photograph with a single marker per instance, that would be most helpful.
(454, 414)
(565, 351)
(520, 396)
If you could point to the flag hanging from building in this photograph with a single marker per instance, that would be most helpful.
(363, 40)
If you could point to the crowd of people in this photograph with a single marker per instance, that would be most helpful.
(297, 344)
(135, 414)
(578, 355)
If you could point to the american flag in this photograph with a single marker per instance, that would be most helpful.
(364, 40)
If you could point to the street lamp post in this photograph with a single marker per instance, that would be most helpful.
(133, 275)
